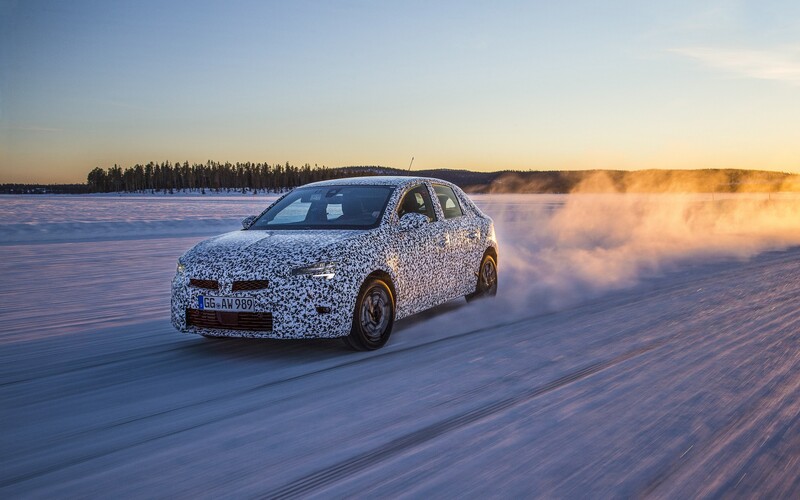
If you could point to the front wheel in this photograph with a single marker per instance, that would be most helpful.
(487, 279)
(373, 316)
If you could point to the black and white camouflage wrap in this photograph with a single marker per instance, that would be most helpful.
(427, 266)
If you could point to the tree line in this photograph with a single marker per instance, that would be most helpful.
(213, 176)
(19, 188)
(210, 176)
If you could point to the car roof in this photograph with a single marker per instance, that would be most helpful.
(375, 180)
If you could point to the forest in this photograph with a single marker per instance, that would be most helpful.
(209, 176)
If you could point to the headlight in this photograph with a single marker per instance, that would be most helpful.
(181, 267)
(325, 270)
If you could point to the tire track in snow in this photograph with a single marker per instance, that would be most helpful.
(336, 472)
(786, 381)
(734, 428)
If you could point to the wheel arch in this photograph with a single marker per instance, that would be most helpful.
(385, 276)
(491, 250)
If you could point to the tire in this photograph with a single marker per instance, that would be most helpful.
(373, 316)
(487, 279)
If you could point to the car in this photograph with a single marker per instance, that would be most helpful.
(338, 258)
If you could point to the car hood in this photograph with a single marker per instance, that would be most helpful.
(241, 252)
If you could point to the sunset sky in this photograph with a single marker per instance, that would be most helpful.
(476, 85)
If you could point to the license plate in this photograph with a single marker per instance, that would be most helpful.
(232, 304)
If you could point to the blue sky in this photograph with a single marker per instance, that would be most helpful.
(478, 85)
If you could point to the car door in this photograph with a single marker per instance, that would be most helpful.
(419, 254)
(463, 239)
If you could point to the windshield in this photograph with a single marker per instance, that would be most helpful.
(327, 207)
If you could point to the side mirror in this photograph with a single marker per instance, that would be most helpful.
(412, 220)
(248, 221)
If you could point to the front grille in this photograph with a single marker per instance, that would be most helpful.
(249, 285)
(207, 284)
(250, 321)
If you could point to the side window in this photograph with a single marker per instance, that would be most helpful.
(448, 201)
(417, 201)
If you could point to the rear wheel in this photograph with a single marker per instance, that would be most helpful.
(373, 316)
(487, 279)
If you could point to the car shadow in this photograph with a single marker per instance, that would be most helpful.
(416, 319)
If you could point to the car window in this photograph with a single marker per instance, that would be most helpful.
(327, 207)
(296, 211)
(448, 201)
(418, 200)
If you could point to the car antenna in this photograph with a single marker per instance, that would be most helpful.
(409, 165)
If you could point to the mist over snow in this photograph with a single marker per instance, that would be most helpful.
(559, 251)
(594, 243)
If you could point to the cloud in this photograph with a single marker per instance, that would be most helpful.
(776, 64)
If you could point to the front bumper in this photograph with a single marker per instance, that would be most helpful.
(292, 307)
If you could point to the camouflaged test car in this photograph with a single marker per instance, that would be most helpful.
(339, 258)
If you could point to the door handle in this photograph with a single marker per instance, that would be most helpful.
(472, 235)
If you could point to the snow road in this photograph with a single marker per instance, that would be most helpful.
(683, 381)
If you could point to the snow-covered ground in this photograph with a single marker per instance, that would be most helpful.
(640, 345)
(52, 219)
